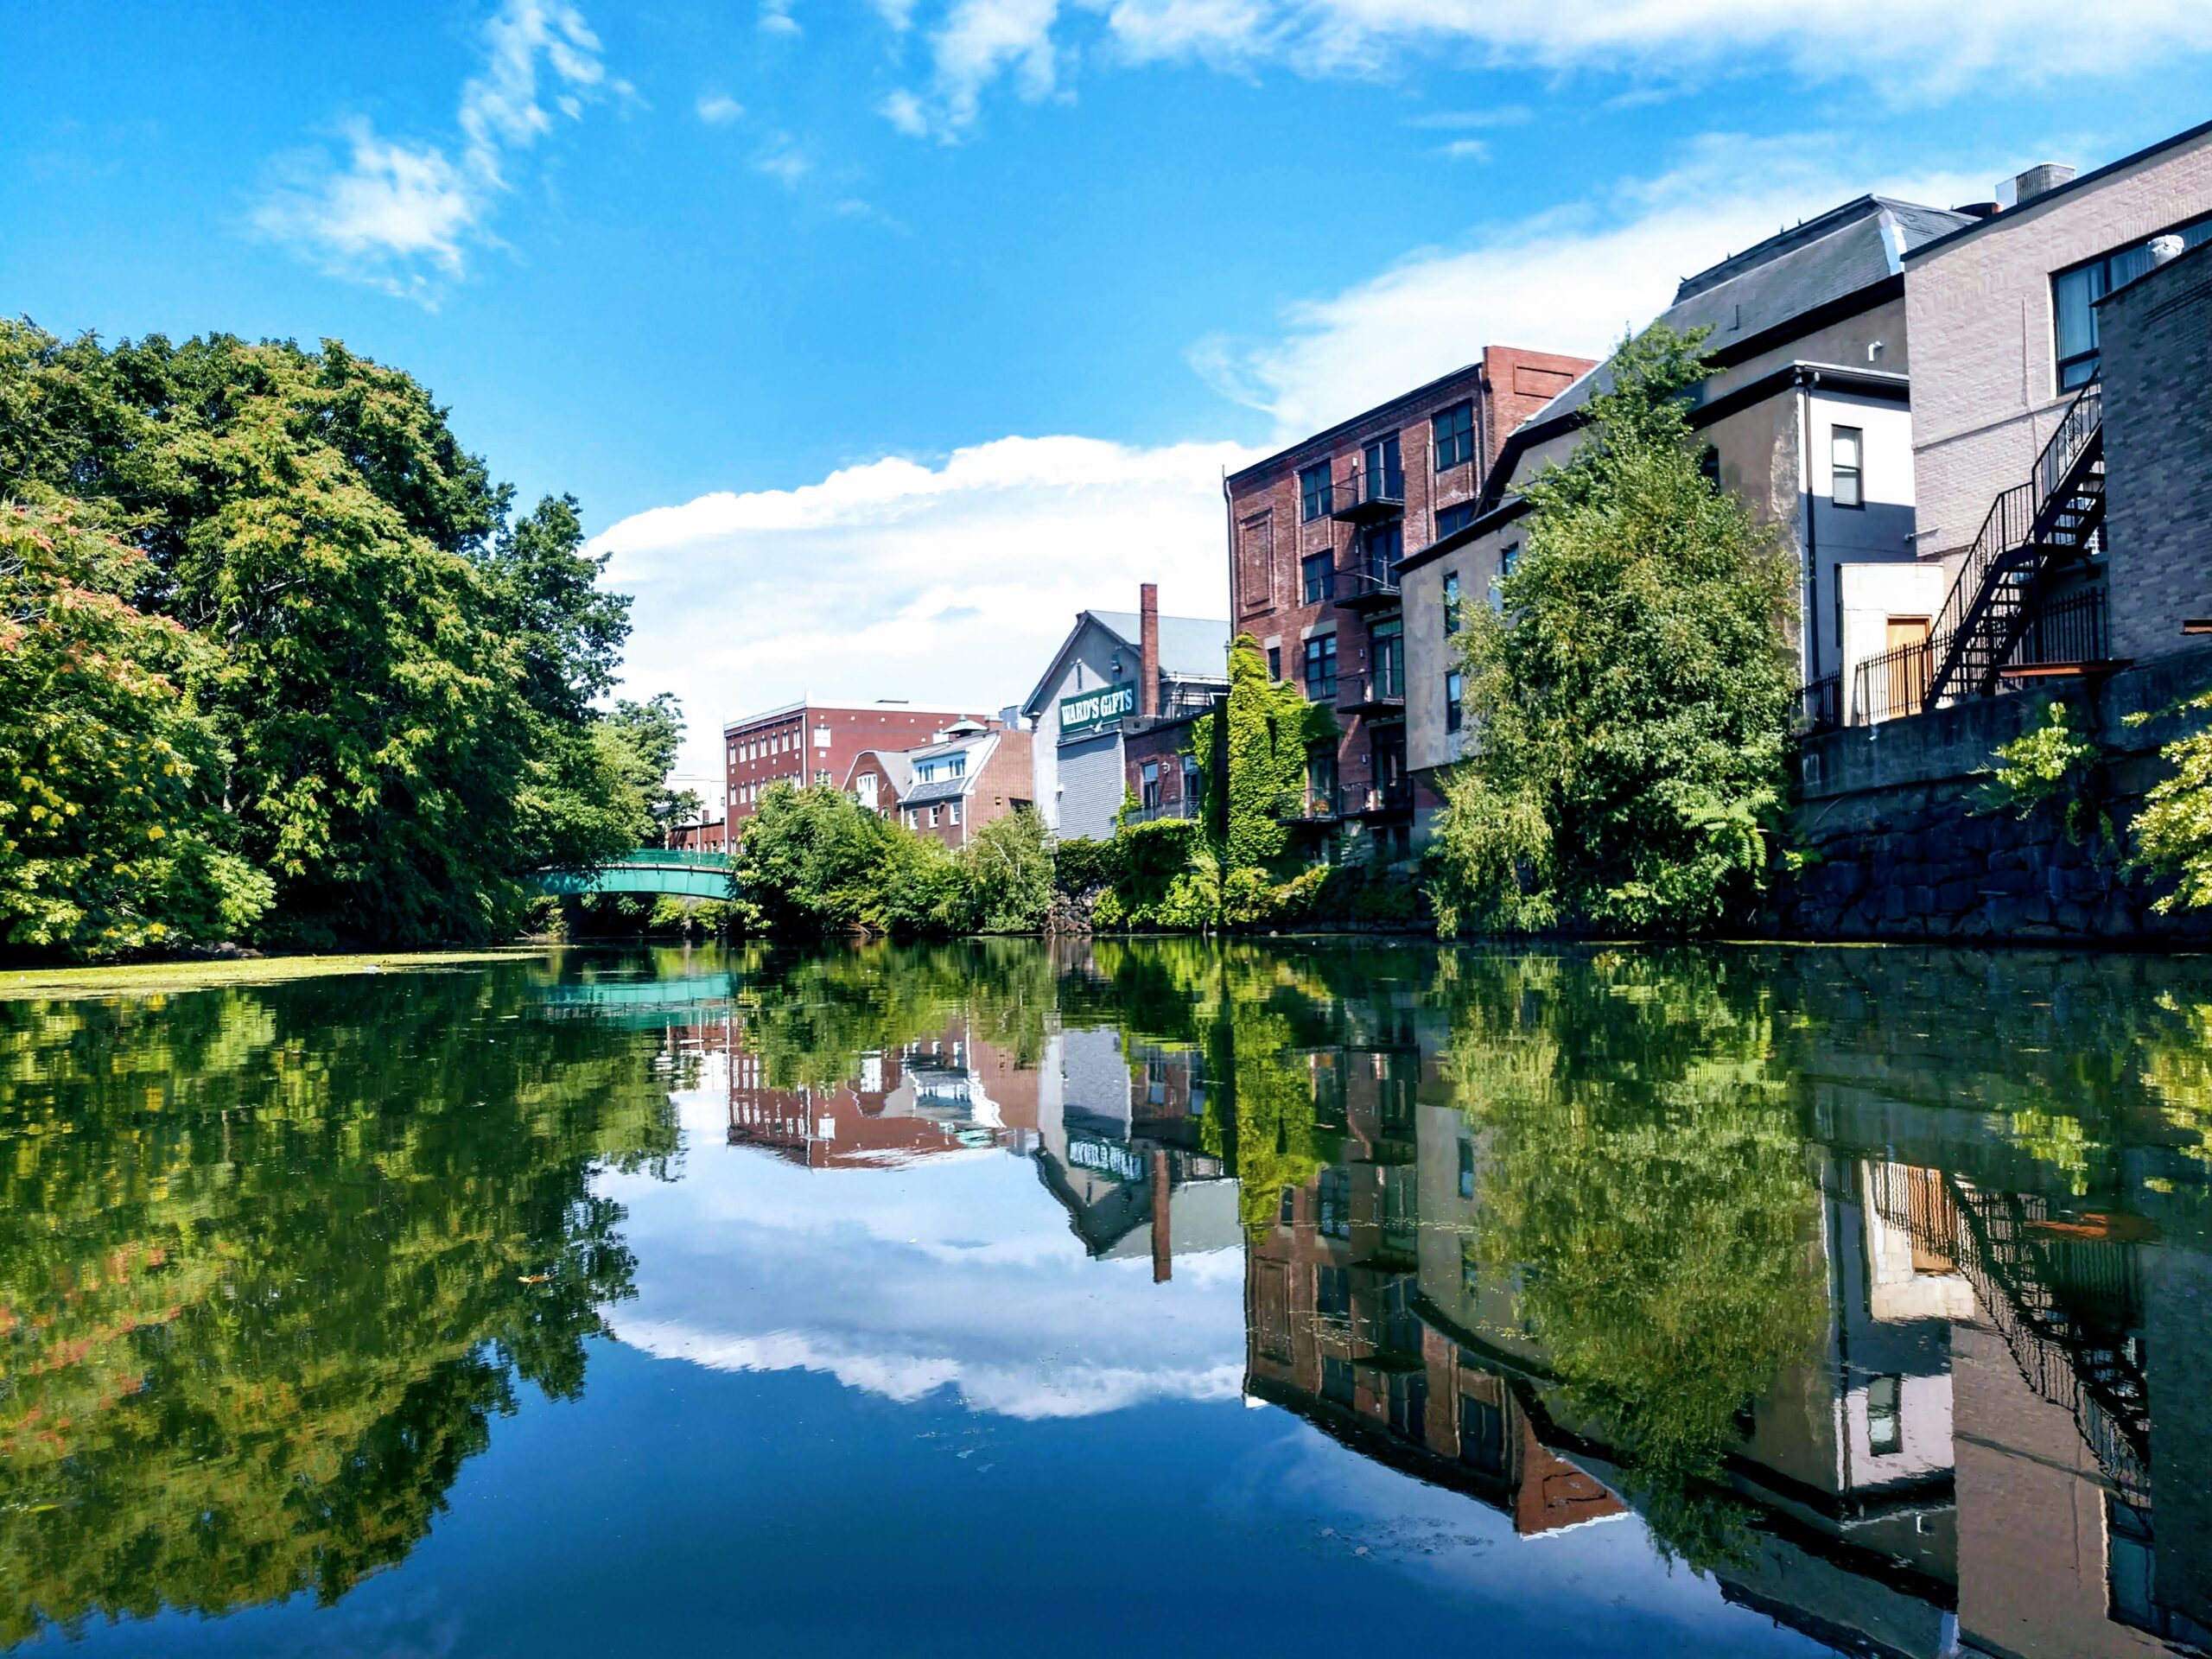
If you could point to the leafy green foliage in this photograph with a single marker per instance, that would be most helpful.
(112, 836)
(1631, 704)
(1271, 728)
(272, 1260)
(814, 861)
(2047, 766)
(2173, 832)
(397, 670)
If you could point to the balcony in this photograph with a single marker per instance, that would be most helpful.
(1366, 494)
(1187, 807)
(1372, 695)
(1367, 585)
(1375, 800)
(1306, 806)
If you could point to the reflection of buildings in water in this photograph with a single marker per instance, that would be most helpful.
(1120, 1146)
(1962, 1465)
(1332, 1331)
(949, 1093)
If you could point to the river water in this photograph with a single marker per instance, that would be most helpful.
(1143, 1298)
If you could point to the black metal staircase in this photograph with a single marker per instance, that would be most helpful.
(2034, 531)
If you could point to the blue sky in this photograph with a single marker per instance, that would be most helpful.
(877, 338)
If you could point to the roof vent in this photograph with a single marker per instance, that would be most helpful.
(2040, 180)
(2165, 249)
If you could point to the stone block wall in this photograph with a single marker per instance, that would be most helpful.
(2155, 336)
(1897, 853)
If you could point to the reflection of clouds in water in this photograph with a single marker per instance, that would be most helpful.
(958, 1271)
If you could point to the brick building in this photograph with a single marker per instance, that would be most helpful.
(1316, 533)
(2157, 343)
(803, 743)
(974, 773)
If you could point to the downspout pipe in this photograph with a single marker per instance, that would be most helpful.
(1809, 633)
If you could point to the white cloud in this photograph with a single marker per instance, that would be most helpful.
(776, 19)
(950, 583)
(718, 109)
(1904, 49)
(404, 216)
(1465, 150)
(782, 160)
(1569, 281)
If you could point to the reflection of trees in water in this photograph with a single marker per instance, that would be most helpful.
(1645, 1185)
(269, 1261)
(809, 1019)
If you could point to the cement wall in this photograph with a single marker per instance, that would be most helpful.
(1897, 853)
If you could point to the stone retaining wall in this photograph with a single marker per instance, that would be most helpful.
(1896, 851)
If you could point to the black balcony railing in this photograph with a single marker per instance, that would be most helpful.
(2066, 632)
(1394, 795)
(1820, 705)
(1186, 806)
(1367, 493)
(1308, 806)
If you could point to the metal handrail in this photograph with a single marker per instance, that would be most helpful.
(1819, 705)
(1362, 489)
(2070, 630)
(2082, 421)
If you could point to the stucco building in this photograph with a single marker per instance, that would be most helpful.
(1317, 535)
(1807, 417)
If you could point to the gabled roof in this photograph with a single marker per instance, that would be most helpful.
(897, 768)
(1190, 648)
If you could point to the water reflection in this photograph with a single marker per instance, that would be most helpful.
(1849, 1278)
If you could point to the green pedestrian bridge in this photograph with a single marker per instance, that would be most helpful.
(649, 869)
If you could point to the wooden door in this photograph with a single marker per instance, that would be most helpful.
(1909, 669)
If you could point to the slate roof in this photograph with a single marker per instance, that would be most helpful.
(1190, 647)
(943, 788)
(1828, 258)
(896, 767)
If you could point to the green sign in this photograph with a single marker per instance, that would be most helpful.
(1090, 711)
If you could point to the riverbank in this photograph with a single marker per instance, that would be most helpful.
(142, 977)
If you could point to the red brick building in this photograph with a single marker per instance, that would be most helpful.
(803, 743)
(976, 771)
(1316, 533)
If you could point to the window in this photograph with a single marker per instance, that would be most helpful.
(1454, 435)
(1380, 550)
(934, 811)
(1316, 498)
(1336, 1204)
(1390, 643)
(1451, 601)
(1450, 521)
(1320, 776)
(954, 810)
(2075, 294)
(1192, 788)
(1384, 477)
(1708, 465)
(1321, 668)
(1884, 1422)
(1275, 662)
(1331, 1292)
(822, 737)
(1320, 573)
(1508, 562)
(822, 778)
(1846, 444)
(1151, 796)
(1335, 1380)
(1455, 686)
(1482, 1435)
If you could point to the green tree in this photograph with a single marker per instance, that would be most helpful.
(2173, 831)
(1271, 728)
(1630, 705)
(811, 862)
(1007, 869)
(398, 669)
(112, 836)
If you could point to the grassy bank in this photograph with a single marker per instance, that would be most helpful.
(145, 978)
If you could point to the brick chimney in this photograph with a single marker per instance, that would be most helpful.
(1148, 649)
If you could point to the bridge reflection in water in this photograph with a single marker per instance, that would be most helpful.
(1963, 1459)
